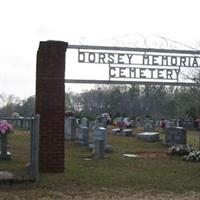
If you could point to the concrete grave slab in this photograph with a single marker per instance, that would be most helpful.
(127, 132)
(5, 175)
(115, 130)
(149, 136)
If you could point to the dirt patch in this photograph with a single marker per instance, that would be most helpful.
(95, 194)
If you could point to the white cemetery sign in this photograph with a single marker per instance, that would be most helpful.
(135, 65)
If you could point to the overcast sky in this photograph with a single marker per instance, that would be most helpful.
(23, 23)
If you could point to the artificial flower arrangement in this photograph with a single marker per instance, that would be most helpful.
(5, 127)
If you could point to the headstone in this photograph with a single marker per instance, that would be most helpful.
(134, 123)
(157, 124)
(169, 124)
(70, 128)
(84, 132)
(175, 135)
(149, 136)
(67, 124)
(188, 123)
(141, 122)
(148, 125)
(85, 122)
(78, 134)
(99, 133)
(91, 124)
(127, 132)
(115, 131)
(78, 121)
(99, 148)
(99, 124)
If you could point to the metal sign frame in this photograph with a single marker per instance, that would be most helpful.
(192, 54)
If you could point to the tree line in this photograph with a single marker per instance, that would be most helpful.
(119, 100)
(136, 101)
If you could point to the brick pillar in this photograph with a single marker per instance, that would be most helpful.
(50, 94)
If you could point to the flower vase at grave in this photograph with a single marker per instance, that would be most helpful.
(5, 129)
(4, 143)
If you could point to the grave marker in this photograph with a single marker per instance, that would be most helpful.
(149, 136)
(148, 125)
(99, 148)
(85, 122)
(175, 135)
(70, 128)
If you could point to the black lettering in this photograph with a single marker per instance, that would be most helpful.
(164, 60)
(111, 58)
(129, 58)
(182, 61)
(177, 73)
(189, 61)
(132, 70)
(160, 75)
(91, 57)
(81, 57)
(120, 58)
(151, 70)
(110, 72)
(142, 73)
(121, 72)
(169, 73)
(195, 63)
(145, 60)
(173, 61)
(102, 58)
(155, 60)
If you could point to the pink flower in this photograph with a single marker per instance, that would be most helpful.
(5, 127)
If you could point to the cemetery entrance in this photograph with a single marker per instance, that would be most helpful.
(121, 65)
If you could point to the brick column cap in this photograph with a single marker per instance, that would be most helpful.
(48, 43)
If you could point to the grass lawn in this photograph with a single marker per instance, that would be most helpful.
(161, 173)
(19, 147)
